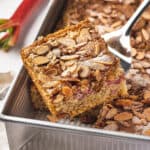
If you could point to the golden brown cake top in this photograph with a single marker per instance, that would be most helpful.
(74, 56)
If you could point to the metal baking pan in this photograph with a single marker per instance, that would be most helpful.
(29, 130)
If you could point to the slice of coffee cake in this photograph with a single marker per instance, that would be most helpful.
(73, 70)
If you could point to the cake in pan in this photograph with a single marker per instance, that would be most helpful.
(73, 70)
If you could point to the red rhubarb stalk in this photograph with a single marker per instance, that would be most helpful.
(13, 25)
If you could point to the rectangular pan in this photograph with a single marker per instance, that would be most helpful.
(29, 130)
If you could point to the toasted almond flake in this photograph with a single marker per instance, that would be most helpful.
(136, 120)
(97, 49)
(59, 98)
(84, 36)
(41, 50)
(98, 75)
(67, 91)
(80, 44)
(67, 41)
(133, 52)
(41, 60)
(52, 91)
(146, 132)
(147, 113)
(84, 71)
(146, 15)
(70, 70)
(123, 116)
(116, 24)
(145, 64)
(69, 57)
(51, 84)
(140, 55)
(70, 63)
(146, 35)
(147, 94)
(112, 127)
(104, 59)
(111, 113)
(124, 102)
(56, 52)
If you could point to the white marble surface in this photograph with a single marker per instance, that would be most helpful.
(11, 60)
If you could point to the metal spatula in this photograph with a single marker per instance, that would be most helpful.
(119, 41)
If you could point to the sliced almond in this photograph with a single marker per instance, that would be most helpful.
(84, 71)
(116, 24)
(56, 52)
(84, 36)
(51, 84)
(136, 120)
(53, 43)
(67, 41)
(70, 70)
(123, 116)
(67, 91)
(70, 62)
(133, 52)
(40, 60)
(112, 127)
(147, 113)
(146, 132)
(98, 75)
(146, 15)
(69, 57)
(52, 91)
(124, 102)
(145, 34)
(111, 113)
(139, 24)
(59, 98)
(104, 59)
(97, 49)
(140, 55)
(147, 94)
(41, 50)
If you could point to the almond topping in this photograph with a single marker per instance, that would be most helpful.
(133, 52)
(51, 84)
(98, 75)
(124, 102)
(41, 60)
(84, 71)
(104, 59)
(41, 50)
(67, 41)
(140, 55)
(112, 127)
(146, 15)
(69, 57)
(111, 113)
(84, 35)
(147, 113)
(146, 132)
(56, 52)
(146, 94)
(123, 116)
(67, 91)
(59, 98)
(146, 35)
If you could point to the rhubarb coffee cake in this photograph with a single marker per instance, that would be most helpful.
(73, 70)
